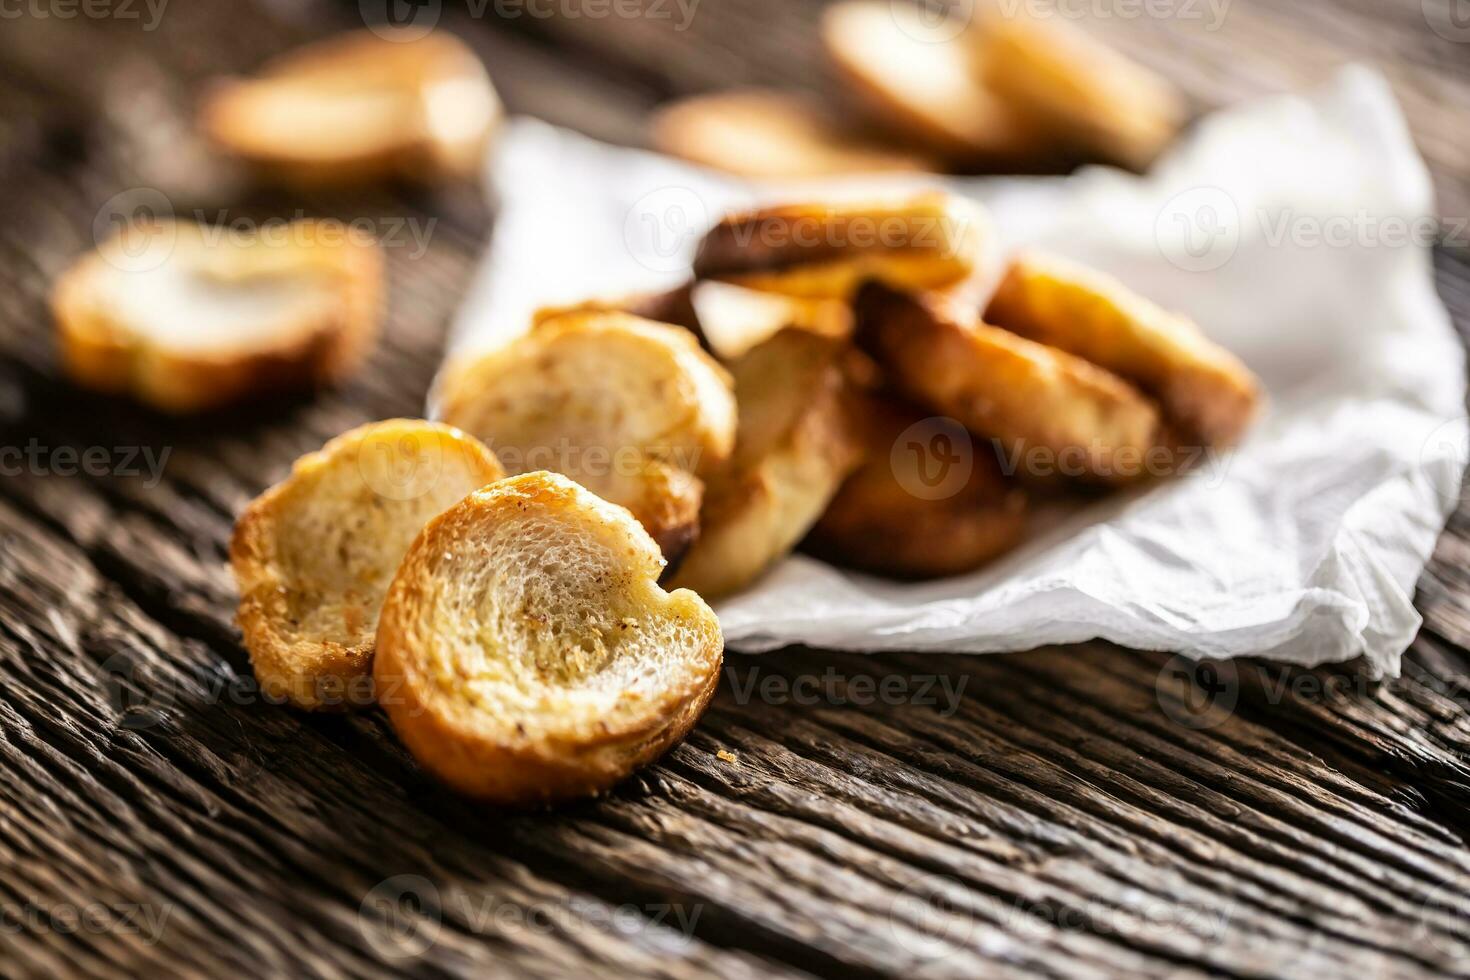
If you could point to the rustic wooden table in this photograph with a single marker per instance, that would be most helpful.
(1070, 813)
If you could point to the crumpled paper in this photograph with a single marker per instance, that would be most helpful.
(1293, 230)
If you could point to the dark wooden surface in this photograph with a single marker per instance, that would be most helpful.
(1068, 814)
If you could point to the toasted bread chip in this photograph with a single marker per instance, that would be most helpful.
(922, 77)
(796, 444)
(1078, 88)
(613, 401)
(1084, 420)
(526, 653)
(767, 134)
(825, 250)
(1205, 392)
(668, 306)
(929, 501)
(187, 318)
(357, 107)
(313, 556)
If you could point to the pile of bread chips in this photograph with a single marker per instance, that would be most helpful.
(1009, 86)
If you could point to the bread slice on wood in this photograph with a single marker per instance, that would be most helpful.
(768, 134)
(921, 75)
(1056, 413)
(929, 500)
(360, 106)
(1077, 88)
(1205, 392)
(627, 407)
(825, 249)
(313, 556)
(526, 653)
(187, 318)
(796, 444)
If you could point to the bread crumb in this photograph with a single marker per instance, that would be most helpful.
(727, 756)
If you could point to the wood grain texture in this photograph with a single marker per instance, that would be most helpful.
(1065, 812)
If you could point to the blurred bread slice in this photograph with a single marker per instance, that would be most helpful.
(768, 134)
(187, 318)
(1077, 88)
(921, 75)
(929, 500)
(796, 444)
(733, 319)
(360, 106)
(928, 240)
(1206, 393)
(526, 653)
(313, 556)
(662, 306)
(1050, 409)
(631, 409)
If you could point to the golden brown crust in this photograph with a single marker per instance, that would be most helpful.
(307, 609)
(927, 502)
(421, 109)
(1082, 419)
(923, 241)
(763, 133)
(528, 718)
(796, 444)
(1206, 393)
(99, 351)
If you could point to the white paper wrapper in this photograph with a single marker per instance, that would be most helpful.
(1292, 230)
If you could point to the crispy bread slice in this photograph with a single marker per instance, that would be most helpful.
(360, 106)
(1077, 88)
(665, 306)
(921, 76)
(313, 556)
(733, 319)
(767, 134)
(929, 501)
(526, 653)
(796, 444)
(1083, 420)
(626, 407)
(824, 250)
(1206, 393)
(187, 318)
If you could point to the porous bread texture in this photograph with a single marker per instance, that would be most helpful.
(924, 78)
(361, 106)
(1206, 393)
(629, 408)
(313, 556)
(187, 318)
(767, 133)
(928, 501)
(999, 385)
(526, 653)
(819, 250)
(796, 444)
